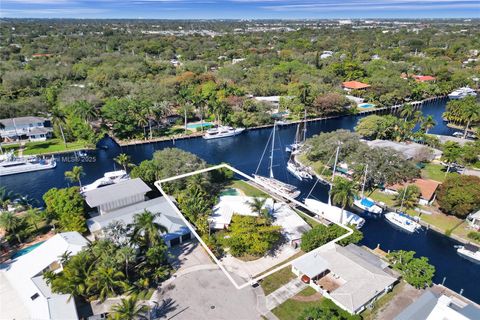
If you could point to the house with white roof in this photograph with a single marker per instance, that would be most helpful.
(23, 288)
(25, 128)
(473, 220)
(431, 306)
(123, 200)
(350, 276)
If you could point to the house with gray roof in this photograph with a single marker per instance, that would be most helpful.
(120, 202)
(25, 128)
(352, 277)
(432, 306)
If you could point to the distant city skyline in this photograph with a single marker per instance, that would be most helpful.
(240, 9)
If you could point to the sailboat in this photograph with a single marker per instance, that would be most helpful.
(402, 220)
(365, 203)
(283, 189)
(300, 137)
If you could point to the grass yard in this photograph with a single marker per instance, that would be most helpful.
(311, 222)
(435, 172)
(248, 190)
(388, 199)
(291, 309)
(309, 291)
(10, 147)
(276, 280)
(52, 146)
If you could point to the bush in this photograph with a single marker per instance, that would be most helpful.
(474, 235)
(320, 235)
(459, 195)
(416, 271)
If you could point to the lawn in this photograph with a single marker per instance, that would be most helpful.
(52, 146)
(10, 147)
(291, 309)
(388, 199)
(277, 279)
(311, 222)
(434, 172)
(248, 190)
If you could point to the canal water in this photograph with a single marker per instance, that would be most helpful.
(244, 152)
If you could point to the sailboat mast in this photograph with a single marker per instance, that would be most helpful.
(364, 179)
(273, 147)
(335, 164)
(305, 125)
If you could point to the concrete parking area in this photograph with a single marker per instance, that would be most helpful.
(284, 293)
(187, 255)
(208, 294)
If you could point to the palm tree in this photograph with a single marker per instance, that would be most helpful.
(75, 175)
(146, 229)
(428, 123)
(34, 216)
(10, 223)
(258, 206)
(451, 153)
(470, 112)
(129, 309)
(6, 197)
(58, 119)
(123, 160)
(105, 281)
(407, 112)
(407, 197)
(343, 193)
(85, 110)
(126, 255)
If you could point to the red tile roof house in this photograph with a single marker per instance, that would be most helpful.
(427, 187)
(354, 85)
(424, 78)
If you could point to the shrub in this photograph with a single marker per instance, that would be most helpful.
(474, 235)
(459, 195)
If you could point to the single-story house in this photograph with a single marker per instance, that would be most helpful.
(123, 200)
(420, 78)
(473, 220)
(409, 150)
(352, 277)
(354, 85)
(28, 296)
(25, 128)
(428, 189)
(177, 230)
(292, 224)
(431, 306)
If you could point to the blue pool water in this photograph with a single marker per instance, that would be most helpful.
(366, 105)
(26, 250)
(199, 125)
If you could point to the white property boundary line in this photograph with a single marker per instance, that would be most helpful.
(158, 184)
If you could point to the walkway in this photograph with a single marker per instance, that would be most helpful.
(284, 293)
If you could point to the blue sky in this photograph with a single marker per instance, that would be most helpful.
(240, 9)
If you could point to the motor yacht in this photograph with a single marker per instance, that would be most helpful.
(333, 213)
(469, 252)
(403, 221)
(108, 178)
(11, 164)
(298, 171)
(222, 132)
(462, 93)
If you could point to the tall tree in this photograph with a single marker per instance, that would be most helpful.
(428, 123)
(343, 192)
(407, 112)
(58, 119)
(106, 281)
(123, 159)
(11, 223)
(75, 175)
(146, 231)
(129, 308)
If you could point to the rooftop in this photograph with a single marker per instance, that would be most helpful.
(115, 192)
(355, 85)
(427, 187)
(424, 78)
(408, 150)
(21, 121)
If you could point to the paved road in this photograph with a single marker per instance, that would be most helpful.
(284, 293)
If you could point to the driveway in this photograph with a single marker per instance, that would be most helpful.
(284, 293)
(207, 294)
(189, 255)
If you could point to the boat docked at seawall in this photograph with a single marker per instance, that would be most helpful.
(222, 132)
(108, 178)
(334, 214)
(462, 93)
(403, 221)
(298, 171)
(368, 205)
(10, 164)
(469, 252)
(281, 188)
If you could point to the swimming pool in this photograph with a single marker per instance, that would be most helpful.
(26, 250)
(199, 125)
(366, 105)
(230, 192)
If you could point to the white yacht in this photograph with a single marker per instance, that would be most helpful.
(469, 252)
(281, 188)
(10, 164)
(222, 132)
(298, 171)
(462, 93)
(364, 203)
(403, 221)
(334, 214)
(108, 178)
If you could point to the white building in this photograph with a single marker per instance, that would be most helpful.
(473, 220)
(350, 276)
(25, 294)
(25, 128)
(122, 201)
(433, 306)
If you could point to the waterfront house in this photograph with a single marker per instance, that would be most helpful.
(420, 78)
(354, 85)
(432, 305)
(122, 201)
(25, 294)
(427, 187)
(25, 128)
(409, 151)
(473, 220)
(352, 277)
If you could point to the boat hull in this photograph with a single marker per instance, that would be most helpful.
(224, 135)
(402, 224)
(26, 168)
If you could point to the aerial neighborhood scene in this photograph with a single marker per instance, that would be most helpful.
(240, 160)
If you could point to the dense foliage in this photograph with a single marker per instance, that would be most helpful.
(320, 235)
(459, 195)
(327, 310)
(67, 207)
(416, 271)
